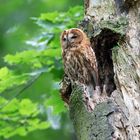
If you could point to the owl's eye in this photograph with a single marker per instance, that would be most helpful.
(73, 37)
(64, 39)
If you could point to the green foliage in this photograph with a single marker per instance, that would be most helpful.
(20, 116)
(34, 58)
(8, 79)
(63, 20)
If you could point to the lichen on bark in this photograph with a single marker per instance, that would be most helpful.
(90, 125)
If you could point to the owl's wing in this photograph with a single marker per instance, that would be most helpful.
(91, 63)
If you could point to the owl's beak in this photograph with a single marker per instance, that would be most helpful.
(68, 42)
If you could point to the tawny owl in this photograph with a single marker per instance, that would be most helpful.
(79, 58)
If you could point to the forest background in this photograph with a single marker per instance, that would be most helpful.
(31, 68)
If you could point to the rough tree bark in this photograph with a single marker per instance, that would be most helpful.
(114, 29)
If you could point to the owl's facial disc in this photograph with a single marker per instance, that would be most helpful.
(72, 37)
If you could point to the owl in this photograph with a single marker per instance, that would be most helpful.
(79, 58)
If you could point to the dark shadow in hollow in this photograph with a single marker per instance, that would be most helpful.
(102, 45)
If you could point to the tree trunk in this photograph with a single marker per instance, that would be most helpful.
(114, 29)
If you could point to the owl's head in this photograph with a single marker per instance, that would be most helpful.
(72, 37)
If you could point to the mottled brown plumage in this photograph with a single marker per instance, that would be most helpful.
(78, 57)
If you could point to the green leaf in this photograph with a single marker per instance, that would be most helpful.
(21, 131)
(12, 106)
(27, 108)
(35, 123)
(8, 79)
(4, 72)
(49, 16)
(44, 125)
(2, 101)
(52, 53)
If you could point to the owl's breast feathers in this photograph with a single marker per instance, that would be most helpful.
(80, 64)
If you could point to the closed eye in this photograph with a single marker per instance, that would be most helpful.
(73, 37)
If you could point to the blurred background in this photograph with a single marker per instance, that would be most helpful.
(28, 25)
(16, 24)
